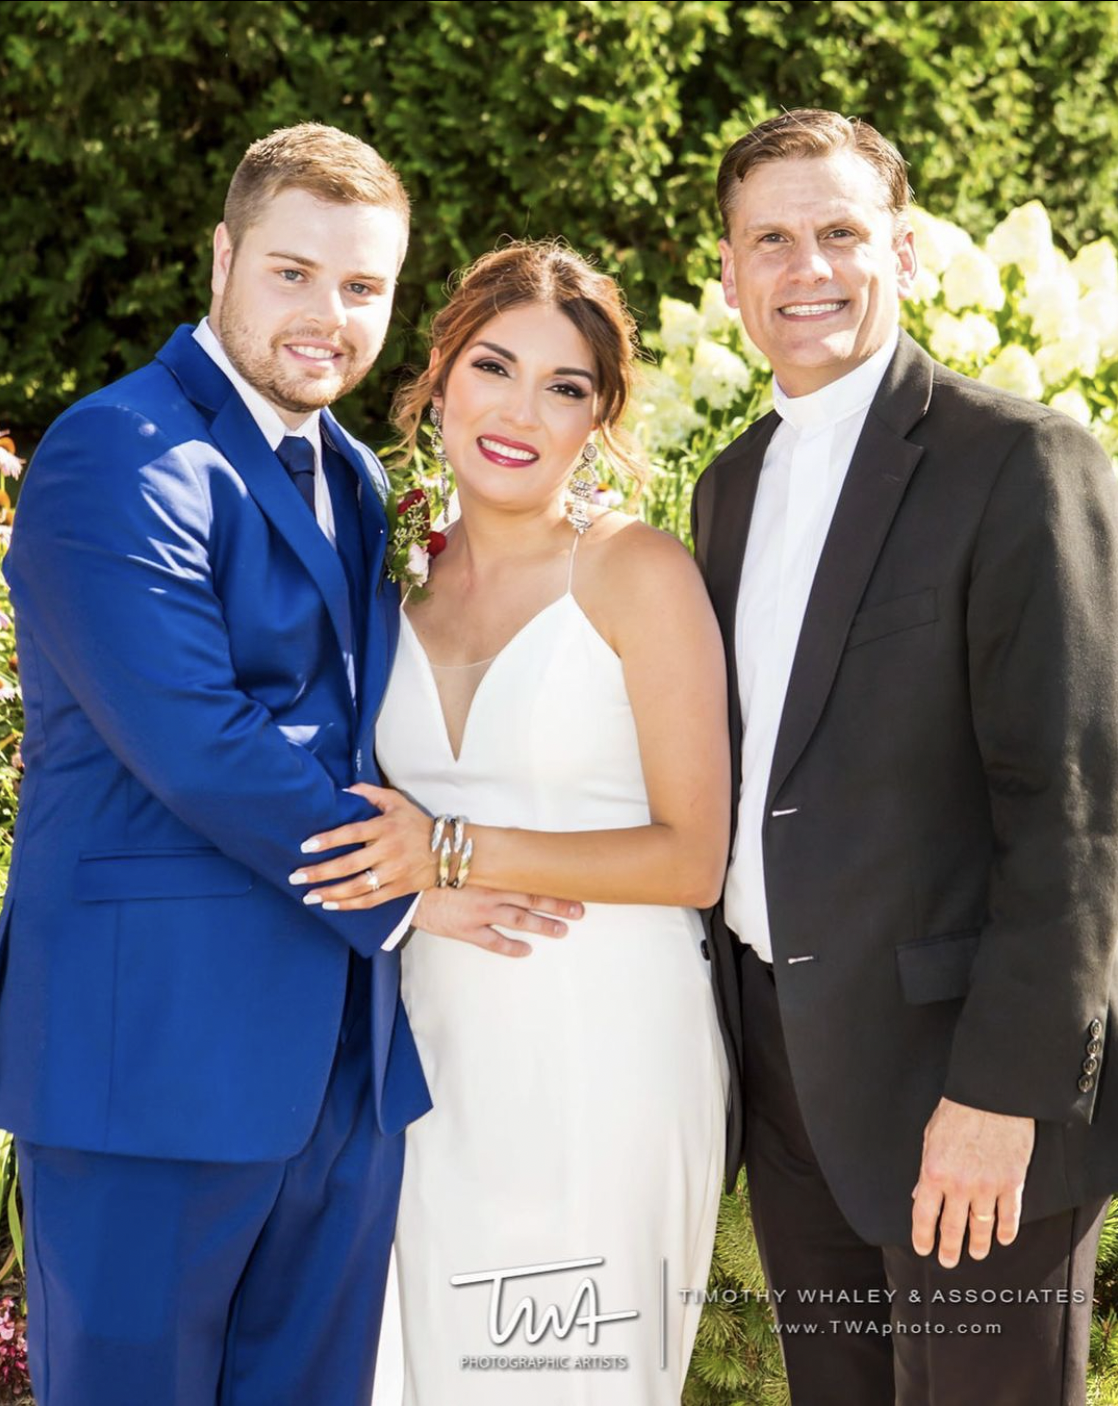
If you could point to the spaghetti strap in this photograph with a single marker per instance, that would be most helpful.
(571, 567)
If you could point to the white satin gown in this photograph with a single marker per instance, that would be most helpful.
(579, 1093)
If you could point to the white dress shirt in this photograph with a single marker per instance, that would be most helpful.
(273, 429)
(805, 466)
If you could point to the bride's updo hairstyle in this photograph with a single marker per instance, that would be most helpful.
(549, 273)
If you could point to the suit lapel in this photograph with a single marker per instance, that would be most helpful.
(382, 621)
(736, 475)
(238, 436)
(875, 484)
(731, 512)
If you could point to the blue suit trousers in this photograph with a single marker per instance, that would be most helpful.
(157, 1282)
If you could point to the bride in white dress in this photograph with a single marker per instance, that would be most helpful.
(565, 692)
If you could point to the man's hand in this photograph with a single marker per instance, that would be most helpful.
(972, 1175)
(471, 915)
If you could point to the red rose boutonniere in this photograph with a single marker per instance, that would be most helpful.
(412, 542)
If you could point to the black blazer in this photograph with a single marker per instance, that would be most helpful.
(948, 758)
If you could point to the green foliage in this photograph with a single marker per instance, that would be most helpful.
(737, 1355)
(600, 120)
(11, 700)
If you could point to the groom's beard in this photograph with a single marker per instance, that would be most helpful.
(267, 366)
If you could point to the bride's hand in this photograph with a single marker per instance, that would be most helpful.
(394, 857)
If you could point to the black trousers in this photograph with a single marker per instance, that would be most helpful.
(866, 1325)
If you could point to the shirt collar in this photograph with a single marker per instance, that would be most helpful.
(266, 415)
(840, 399)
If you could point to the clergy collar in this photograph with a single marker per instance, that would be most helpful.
(839, 399)
(266, 415)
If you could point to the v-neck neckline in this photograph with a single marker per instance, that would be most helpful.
(492, 663)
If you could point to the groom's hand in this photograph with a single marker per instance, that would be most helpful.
(972, 1176)
(473, 914)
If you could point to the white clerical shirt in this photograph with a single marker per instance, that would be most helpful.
(805, 466)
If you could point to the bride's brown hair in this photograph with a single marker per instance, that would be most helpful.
(549, 273)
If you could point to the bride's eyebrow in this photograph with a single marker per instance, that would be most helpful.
(559, 370)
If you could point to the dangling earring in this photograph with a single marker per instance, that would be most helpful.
(581, 487)
(440, 457)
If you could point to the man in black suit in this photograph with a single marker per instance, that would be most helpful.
(917, 582)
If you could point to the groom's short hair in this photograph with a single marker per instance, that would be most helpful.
(323, 161)
(808, 132)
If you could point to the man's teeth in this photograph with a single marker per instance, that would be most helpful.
(315, 353)
(506, 451)
(810, 309)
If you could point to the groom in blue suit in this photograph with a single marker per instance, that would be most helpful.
(208, 1079)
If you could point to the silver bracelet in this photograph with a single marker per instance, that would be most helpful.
(441, 822)
(459, 880)
(444, 866)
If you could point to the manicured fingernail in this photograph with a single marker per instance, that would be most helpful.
(297, 878)
(330, 907)
(312, 898)
(310, 846)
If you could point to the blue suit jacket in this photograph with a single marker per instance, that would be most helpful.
(195, 705)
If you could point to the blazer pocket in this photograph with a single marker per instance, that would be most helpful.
(937, 968)
(893, 616)
(172, 873)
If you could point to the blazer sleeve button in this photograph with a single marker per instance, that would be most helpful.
(1095, 1029)
(1086, 1084)
(1094, 1047)
(1090, 1064)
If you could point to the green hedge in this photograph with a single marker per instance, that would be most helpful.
(601, 120)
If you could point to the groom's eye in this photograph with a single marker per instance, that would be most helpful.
(290, 275)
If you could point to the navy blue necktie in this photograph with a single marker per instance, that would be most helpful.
(296, 454)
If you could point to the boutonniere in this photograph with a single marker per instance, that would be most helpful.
(412, 541)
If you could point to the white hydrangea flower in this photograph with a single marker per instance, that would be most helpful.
(1096, 267)
(717, 374)
(1078, 355)
(715, 313)
(971, 337)
(681, 324)
(663, 413)
(1072, 402)
(1098, 311)
(1013, 369)
(937, 241)
(1051, 299)
(1023, 238)
(925, 286)
(972, 281)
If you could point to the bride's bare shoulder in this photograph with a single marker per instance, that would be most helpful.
(623, 547)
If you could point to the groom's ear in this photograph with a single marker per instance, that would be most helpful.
(223, 259)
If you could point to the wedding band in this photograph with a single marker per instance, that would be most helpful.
(372, 880)
(975, 1216)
